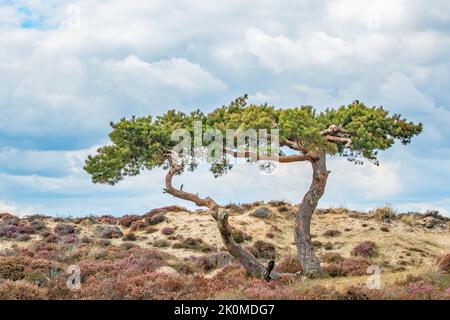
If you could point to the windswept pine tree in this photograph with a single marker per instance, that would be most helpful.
(356, 132)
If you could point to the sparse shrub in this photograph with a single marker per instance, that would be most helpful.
(214, 261)
(320, 292)
(183, 267)
(7, 216)
(316, 243)
(16, 268)
(138, 226)
(332, 257)
(443, 264)
(234, 208)
(128, 219)
(384, 214)
(161, 243)
(167, 231)
(193, 244)
(283, 209)
(37, 278)
(355, 267)
(86, 239)
(356, 293)
(288, 264)
(331, 233)
(384, 229)
(50, 237)
(129, 237)
(364, 249)
(264, 249)
(64, 229)
(71, 238)
(408, 219)
(108, 232)
(106, 219)
(240, 236)
(260, 289)
(278, 203)
(26, 229)
(155, 219)
(38, 225)
(128, 245)
(12, 268)
(90, 220)
(328, 246)
(9, 231)
(165, 210)
(422, 290)
(152, 286)
(347, 267)
(21, 290)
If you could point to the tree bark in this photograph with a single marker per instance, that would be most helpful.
(302, 227)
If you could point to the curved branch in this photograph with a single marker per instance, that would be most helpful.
(201, 202)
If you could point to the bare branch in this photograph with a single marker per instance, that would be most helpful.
(347, 141)
(334, 134)
(334, 130)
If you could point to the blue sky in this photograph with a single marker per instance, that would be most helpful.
(68, 68)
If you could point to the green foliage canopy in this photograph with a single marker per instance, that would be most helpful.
(144, 143)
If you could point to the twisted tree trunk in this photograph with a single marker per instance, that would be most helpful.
(302, 227)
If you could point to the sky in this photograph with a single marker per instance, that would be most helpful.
(68, 68)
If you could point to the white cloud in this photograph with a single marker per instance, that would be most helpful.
(7, 207)
(10, 18)
(402, 91)
(48, 163)
(142, 80)
(60, 88)
(318, 49)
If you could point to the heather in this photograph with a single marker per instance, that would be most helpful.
(172, 253)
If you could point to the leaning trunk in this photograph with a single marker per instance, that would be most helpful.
(305, 250)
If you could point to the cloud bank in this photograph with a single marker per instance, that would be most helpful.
(68, 68)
